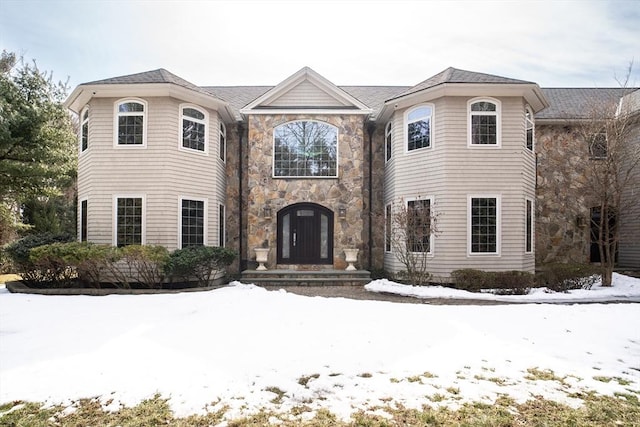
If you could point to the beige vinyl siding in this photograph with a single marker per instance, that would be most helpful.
(629, 250)
(161, 172)
(305, 94)
(451, 172)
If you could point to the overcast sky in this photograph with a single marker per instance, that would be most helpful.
(555, 44)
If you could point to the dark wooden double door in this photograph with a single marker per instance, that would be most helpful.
(305, 234)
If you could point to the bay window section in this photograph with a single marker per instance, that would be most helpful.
(419, 225)
(388, 132)
(84, 130)
(529, 129)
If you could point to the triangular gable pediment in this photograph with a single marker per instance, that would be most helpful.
(307, 91)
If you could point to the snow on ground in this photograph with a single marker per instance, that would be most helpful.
(624, 288)
(243, 346)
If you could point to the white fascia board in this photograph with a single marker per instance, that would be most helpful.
(83, 93)
(294, 110)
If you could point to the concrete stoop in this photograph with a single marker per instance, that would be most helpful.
(306, 277)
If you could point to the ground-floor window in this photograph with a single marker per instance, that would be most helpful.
(128, 221)
(483, 225)
(419, 225)
(528, 238)
(192, 220)
(84, 204)
(221, 226)
(387, 228)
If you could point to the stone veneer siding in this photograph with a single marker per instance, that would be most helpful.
(562, 196)
(346, 191)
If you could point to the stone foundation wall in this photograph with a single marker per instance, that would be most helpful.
(563, 199)
(347, 191)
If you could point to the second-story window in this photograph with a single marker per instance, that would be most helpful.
(529, 128)
(484, 123)
(305, 149)
(194, 129)
(84, 130)
(223, 142)
(388, 131)
(418, 127)
(598, 146)
(131, 126)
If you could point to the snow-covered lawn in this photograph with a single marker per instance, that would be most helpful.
(250, 348)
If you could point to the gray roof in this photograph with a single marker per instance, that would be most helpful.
(577, 103)
(564, 103)
(150, 77)
(454, 75)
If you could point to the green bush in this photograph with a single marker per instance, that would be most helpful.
(20, 250)
(504, 282)
(202, 262)
(145, 265)
(565, 277)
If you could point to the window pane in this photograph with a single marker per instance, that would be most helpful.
(419, 134)
(130, 130)
(192, 223)
(419, 113)
(83, 221)
(193, 135)
(305, 149)
(127, 107)
(324, 236)
(129, 221)
(387, 234)
(529, 228)
(484, 129)
(192, 112)
(419, 225)
(484, 220)
(286, 236)
(483, 106)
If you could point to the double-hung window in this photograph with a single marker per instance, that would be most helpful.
(194, 129)
(484, 226)
(84, 130)
(221, 226)
(129, 221)
(131, 123)
(387, 228)
(418, 127)
(484, 123)
(192, 222)
(84, 219)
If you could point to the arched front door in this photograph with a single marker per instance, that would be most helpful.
(305, 234)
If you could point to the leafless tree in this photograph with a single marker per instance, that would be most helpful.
(410, 231)
(611, 132)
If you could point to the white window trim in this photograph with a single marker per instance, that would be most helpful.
(531, 120)
(115, 215)
(273, 151)
(406, 128)
(205, 239)
(533, 225)
(222, 131)
(222, 220)
(145, 120)
(83, 199)
(388, 137)
(431, 235)
(84, 111)
(498, 198)
(204, 121)
(497, 113)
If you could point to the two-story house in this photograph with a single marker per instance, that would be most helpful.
(308, 169)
